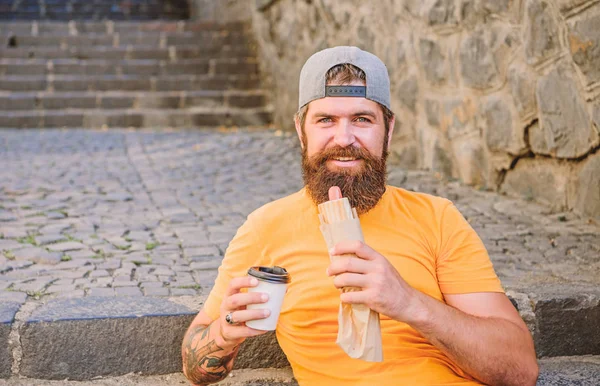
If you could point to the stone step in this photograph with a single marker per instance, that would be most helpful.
(149, 67)
(240, 377)
(58, 14)
(576, 370)
(126, 100)
(137, 118)
(561, 371)
(125, 27)
(63, 10)
(173, 52)
(129, 83)
(108, 329)
(563, 317)
(116, 39)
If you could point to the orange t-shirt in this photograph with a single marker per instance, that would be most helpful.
(424, 237)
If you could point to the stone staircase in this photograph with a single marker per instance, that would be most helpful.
(93, 9)
(104, 74)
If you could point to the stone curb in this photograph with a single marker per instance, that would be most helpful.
(83, 338)
(8, 311)
(563, 319)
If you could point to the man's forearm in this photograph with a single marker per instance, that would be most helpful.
(493, 350)
(206, 357)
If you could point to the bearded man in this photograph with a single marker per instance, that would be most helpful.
(444, 316)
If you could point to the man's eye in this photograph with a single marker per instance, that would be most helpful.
(325, 120)
(363, 119)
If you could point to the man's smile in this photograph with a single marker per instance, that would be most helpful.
(345, 161)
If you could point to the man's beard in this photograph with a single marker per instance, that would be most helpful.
(363, 187)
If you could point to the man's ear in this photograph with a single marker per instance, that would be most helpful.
(299, 130)
(391, 131)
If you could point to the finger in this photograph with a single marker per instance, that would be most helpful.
(240, 331)
(354, 297)
(348, 264)
(243, 316)
(242, 299)
(335, 193)
(237, 283)
(350, 280)
(356, 247)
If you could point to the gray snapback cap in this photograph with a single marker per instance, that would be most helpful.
(312, 76)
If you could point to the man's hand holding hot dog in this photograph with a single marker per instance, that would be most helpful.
(382, 288)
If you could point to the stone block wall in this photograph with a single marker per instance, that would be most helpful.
(501, 94)
(221, 11)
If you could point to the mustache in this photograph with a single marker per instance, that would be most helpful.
(340, 152)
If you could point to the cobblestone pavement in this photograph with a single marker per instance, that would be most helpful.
(121, 213)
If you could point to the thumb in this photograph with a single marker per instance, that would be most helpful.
(335, 193)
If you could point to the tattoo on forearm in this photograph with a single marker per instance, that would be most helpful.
(201, 358)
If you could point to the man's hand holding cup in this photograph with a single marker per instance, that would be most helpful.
(234, 313)
(255, 311)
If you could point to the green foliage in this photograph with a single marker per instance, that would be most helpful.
(27, 240)
(9, 255)
(150, 246)
(191, 286)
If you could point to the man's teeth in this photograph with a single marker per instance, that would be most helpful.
(344, 159)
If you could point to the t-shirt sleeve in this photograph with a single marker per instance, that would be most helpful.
(463, 264)
(242, 253)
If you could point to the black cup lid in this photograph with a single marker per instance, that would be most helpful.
(274, 274)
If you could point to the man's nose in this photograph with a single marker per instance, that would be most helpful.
(344, 135)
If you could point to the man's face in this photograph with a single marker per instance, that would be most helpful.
(344, 144)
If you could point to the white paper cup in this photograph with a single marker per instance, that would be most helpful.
(272, 281)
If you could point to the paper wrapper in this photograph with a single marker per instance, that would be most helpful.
(359, 331)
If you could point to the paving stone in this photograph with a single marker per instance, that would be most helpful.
(128, 291)
(38, 255)
(163, 271)
(71, 274)
(49, 239)
(156, 291)
(112, 264)
(65, 247)
(203, 251)
(150, 284)
(71, 294)
(13, 296)
(32, 286)
(84, 338)
(181, 268)
(102, 282)
(147, 277)
(114, 197)
(8, 245)
(61, 288)
(206, 265)
(101, 292)
(7, 216)
(99, 273)
(183, 292)
(116, 283)
(12, 232)
(82, 254)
